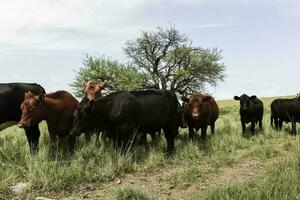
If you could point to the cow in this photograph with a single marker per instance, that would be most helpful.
(124, 115)
(285, 110)
(11, 97)
(251, 111)
(92, 89)
(201, 111)
(55, 108)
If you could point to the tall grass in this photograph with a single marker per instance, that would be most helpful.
(92, 164)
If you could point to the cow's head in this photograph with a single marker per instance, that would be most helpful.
(92, 90)
(194, 103)
(32, 109)
(82, 117)
(244, 101)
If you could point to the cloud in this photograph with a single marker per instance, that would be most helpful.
(293, 12)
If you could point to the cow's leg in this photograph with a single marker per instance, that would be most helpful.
(62, 143)
(212, 127)
(87, 137)
(33, 136)
(243, 127)
(203, 132)
(191, 132)
(71, 143)
(294, 130)
(53, 138)
(276, 122)
(260, 124)
(271, 120)
(280, 122)
(153, 136)
(170, 137)
(127, 135)
(97, 133)
(252, 127)
(141, 138)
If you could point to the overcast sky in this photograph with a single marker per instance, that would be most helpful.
(44, 41)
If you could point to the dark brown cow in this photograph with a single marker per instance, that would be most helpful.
(92, 89)
(201, 111)
(56, 109)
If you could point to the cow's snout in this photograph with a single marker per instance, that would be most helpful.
(195, 115)
(244, 108)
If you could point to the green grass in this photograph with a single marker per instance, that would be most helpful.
(281, 182)
(184, 177)
(192, 162)
(129, 193)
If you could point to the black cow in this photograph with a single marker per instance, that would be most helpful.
(285, 110)
(123, 115)
(251, 110)
(11, 98)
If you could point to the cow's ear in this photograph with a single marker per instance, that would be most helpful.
(207, 98)
(185, 99)
(253, 97)
(236, 98)
(41, 98)
(28, 94)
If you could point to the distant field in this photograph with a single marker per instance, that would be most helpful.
(226, 166)
(266, 100)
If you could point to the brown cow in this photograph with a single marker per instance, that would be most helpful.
(56, 109)
(92, 89)
(201, 111)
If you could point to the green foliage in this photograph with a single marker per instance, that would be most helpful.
(118, 75)
(171, 62)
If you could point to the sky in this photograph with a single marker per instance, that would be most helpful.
(45, 41)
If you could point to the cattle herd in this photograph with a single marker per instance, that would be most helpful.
(125, 117)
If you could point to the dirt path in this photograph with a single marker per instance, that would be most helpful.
(156, 187)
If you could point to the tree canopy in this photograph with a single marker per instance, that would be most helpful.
(119, 76)
(162, 59)
(172, 62)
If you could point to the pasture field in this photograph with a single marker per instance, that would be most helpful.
(226, 166)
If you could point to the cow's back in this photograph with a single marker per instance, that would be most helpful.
(282, 108)
(214, 111)
(158, 108)
(11, 97)
(63, 101)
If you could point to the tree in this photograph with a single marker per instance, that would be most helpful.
(119, 76)
(172, 62)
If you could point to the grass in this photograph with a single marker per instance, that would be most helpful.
(129, 193)
(280, 182)
(183, 177)
(192, 164)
